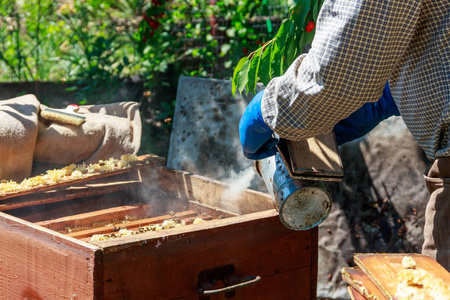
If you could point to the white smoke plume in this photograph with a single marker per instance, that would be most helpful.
(237, 183)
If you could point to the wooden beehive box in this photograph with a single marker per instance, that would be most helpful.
(45, 253)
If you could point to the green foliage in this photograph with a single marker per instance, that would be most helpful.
(102, 42)
(212, 36)
(50, 40)
(19, 53)
(98, 40)
(89, 43)
(274, 57)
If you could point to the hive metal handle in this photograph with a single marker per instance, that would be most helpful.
(249, 281)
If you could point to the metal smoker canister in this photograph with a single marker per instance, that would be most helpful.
(301, 204)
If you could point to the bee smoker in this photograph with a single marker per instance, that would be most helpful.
(294, 175)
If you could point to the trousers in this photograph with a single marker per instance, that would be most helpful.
(437, 212)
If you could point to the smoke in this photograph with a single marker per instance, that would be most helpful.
(237, 183)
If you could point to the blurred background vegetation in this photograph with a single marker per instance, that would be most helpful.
(93, 49)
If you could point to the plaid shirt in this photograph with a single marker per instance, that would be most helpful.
(359, 45)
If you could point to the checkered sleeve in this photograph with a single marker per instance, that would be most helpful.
(357, 45)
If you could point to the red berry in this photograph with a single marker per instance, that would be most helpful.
(310, 26)
(154, 24)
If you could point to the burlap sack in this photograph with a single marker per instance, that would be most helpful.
(18, 132)
(110, 130)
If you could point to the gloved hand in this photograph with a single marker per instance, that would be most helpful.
(366, 118)
(256, 137)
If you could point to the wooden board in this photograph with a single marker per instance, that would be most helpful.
(383, 270)
(143, 161)
(134, 225)
(37, 263)
(99, 186)
(76, 205)
(354, 294)
(360, 282)
(169, 262)
(103, 215)
(315, 158)
(91, 184)
(204, 190)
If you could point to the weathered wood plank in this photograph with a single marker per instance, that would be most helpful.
(354, 294)
(37, 263)
(144, 161)
(74, 206)
(256, 244)
(130, 225)
(215, 212)
(188, 220)
(87, 219)
(383, 270)
(207, 191)
(76, 191)
(360, 282)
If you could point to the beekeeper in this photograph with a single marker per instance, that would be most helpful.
(397, 52)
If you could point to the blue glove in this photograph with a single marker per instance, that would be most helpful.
(256, 137)
(366, 118)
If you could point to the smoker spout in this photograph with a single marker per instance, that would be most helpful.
(301, 204)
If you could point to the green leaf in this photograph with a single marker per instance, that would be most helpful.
(276, 66)
(307, 38)
(264, 72)
(292, 29)
(236, 73)
(300, 13)
(243, 76)
(253, 71)
(282, 33)
(293, 3)
(291, 50)
(279, 48)
(315, 9)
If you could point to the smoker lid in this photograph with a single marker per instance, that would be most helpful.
(316, 158)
